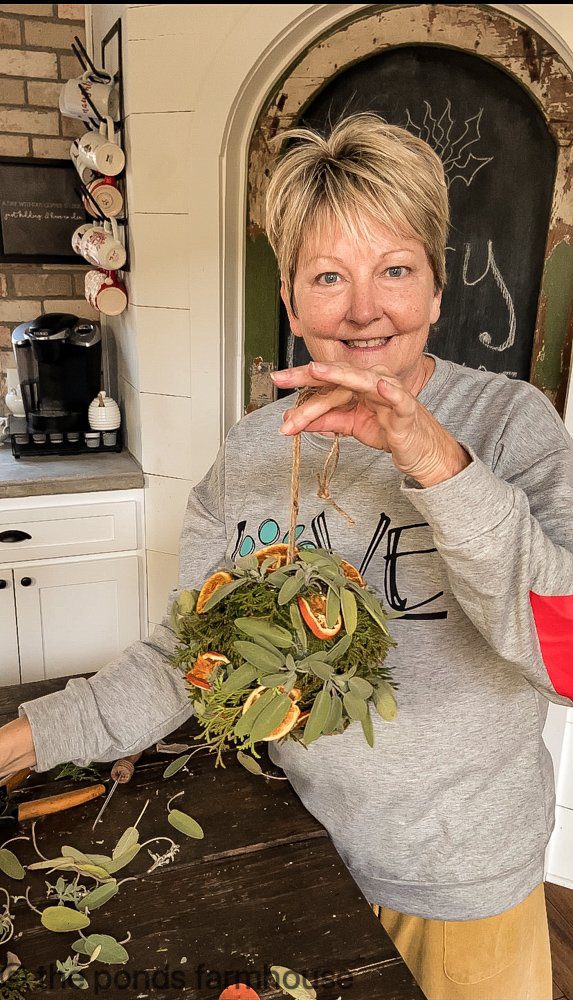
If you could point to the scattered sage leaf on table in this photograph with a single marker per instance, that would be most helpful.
(185, 824)
(124, 859)
(249, 762)
(64, 919)
(176, 765)
(97, 897)
(293, 983)
(128, 839)
(111, 951)
(10, 865)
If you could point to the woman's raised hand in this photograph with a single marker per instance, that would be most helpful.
(373, 406)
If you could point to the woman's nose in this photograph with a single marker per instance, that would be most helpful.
(365, 305)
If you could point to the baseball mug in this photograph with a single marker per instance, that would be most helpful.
(101, 246)
(98, 151)
(107, 196)
(105, 292)
(104, 95)
(78, 234)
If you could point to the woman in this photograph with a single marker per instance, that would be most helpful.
(460, 487)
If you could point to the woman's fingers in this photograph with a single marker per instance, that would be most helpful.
(296, 378)
(298, 418)
(402, 403)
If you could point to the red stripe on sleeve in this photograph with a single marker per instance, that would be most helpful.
(553, 618)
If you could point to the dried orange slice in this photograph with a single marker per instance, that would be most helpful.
(280, 551)
(351, 573)
(313, 610)
(239, 991)
(216, 580)
(202, 669)
(291, 718)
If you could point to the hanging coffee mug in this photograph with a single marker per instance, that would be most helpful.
(98, 151)
(105, 292)
(101, 246)
(107, 197)
(87, 175)
(79, 233)
(104, 96)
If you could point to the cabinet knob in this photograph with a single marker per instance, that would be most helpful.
(3, 584)
(26, 581)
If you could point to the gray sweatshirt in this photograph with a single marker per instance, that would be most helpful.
(448, 816)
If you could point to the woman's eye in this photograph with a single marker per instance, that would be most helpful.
(397, 271)
(328, 278)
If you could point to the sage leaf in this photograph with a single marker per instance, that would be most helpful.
(95, 870)
(241, 677)
(58, 864)
(274, 680)
(97, 897)
(75, 855)
(257, 656)
(249, 762)
(277, 578)
(185, 824)
(339, 649)
(355, 706)
(63, 919)
(255, 627)
(298, 625)
(176, 765)
(247, 562)
(271, 716)
(293, 983)
(128, 838)
(375, 611)
(187, 601)
(111, 951)
(245, 722)
(221, 593)
(10, 865)
(79, 981)
(332, 607)
(360, 686)
(368, 729)
(334, 715)
(385, 702)
(349, 610)
(322, 670)
(124, 859)
(290, 589)
(317, 719)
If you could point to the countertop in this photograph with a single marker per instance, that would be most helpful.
(265, 886)
(41, 476)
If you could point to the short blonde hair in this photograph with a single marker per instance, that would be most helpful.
(364, 170)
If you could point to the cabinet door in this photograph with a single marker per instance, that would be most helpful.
(9, 657)
(75, 616)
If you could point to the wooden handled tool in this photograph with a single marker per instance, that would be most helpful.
(51, 804)
(121, 773)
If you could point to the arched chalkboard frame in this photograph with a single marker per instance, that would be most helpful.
(486, 33)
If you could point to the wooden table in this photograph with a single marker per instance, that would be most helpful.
(265, 887)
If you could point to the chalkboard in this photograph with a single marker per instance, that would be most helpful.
(39, 210)
(500, 161)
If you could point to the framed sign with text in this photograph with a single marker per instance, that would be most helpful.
(39, 210)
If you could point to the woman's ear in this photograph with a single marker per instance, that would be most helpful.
(435, 307)
(292, 317)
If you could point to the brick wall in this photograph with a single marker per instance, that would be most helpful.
(35, 57)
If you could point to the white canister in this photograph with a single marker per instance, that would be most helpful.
(103, 413)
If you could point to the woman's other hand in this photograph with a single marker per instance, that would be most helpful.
(16, 747)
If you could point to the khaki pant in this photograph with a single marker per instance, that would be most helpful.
(505, 957)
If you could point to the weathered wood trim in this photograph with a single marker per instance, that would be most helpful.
(489, 34)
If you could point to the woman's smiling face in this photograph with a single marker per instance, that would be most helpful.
(364, 302)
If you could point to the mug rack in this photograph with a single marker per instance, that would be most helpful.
(111, 64)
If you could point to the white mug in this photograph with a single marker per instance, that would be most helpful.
(79, 233)
(87, 175)
(105, 292)
(107, 197)
(101, 246)
(98, 151)
(105, 98)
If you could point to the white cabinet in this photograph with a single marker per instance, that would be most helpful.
(9, 655)
(73, 593)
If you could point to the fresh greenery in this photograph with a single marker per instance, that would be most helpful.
(15, 981)
(331, 666)
(74, 773)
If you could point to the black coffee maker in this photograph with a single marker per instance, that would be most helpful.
(58, 357)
